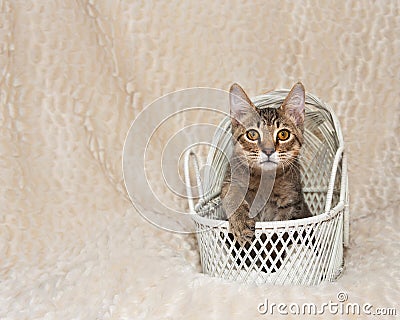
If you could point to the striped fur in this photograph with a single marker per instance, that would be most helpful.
(262, 182)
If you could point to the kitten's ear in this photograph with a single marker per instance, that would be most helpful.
(294, 104)
(240, 103)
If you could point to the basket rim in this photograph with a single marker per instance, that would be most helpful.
(325, 216)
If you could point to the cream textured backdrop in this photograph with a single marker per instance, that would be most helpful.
(74, 74)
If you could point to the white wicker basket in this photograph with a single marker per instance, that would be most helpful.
(305, 251)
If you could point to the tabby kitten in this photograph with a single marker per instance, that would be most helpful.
(262, 182)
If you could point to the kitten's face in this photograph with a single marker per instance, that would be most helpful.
(268, 138)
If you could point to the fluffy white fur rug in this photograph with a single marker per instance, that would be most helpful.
(74, 74)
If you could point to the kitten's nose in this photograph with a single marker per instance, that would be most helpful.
(268, 151)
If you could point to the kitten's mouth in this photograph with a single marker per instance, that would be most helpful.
(268, 164)
(268, 161)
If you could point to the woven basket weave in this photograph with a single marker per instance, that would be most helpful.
(305, 251)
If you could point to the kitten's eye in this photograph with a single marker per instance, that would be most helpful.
(283, 135)
(252, 135)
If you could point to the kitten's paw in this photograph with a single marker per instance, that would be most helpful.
(243, 228)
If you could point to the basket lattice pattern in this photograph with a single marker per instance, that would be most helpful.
(305, 251)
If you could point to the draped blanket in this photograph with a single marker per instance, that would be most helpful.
(75, 74)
